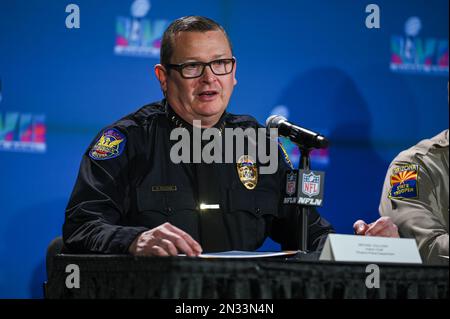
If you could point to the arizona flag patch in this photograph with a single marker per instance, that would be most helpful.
(404, 181)
(110, 145)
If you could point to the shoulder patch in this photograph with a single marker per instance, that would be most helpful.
(111, 144)
(285, 155)
(404, 181)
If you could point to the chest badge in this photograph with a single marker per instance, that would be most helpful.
(247, 171)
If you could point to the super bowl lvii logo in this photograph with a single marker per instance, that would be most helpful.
(138, 36)
(413, 54)
(22, 132)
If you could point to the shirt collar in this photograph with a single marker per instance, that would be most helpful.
(177, 121)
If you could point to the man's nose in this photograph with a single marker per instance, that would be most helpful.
(208, 75)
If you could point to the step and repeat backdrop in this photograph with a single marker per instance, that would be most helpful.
(370, 75)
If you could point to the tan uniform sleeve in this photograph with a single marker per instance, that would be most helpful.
(419, 217)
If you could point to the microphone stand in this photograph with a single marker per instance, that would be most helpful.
(302, 210)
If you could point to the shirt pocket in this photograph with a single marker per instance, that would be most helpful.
(158, 207)
(248, 212)
(255, 202)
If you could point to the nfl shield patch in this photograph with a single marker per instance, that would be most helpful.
(291, 183)
(311, 184)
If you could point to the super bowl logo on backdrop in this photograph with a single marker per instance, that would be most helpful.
(137, 36)
(22, 132)
(413, 54)
(311, 184)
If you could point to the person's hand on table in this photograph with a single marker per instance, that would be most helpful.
(165, 240)
(383, 227)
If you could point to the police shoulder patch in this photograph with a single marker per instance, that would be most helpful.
(111, 144)
(404, 181)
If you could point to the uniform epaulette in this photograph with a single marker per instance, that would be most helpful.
(142, 116)
(148, 112)
(424, 147)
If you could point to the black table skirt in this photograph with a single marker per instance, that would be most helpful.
(182, 277)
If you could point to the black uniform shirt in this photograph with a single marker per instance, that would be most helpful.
(128, 184)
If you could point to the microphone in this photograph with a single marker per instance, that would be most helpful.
(301, 136)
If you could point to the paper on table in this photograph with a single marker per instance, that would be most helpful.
(247, 254)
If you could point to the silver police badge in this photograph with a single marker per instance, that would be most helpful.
(247, 171)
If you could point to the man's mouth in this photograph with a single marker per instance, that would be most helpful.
(208, 96)
(208, 93)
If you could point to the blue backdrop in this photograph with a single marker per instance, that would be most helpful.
(372, 91)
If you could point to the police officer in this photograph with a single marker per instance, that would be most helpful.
(415, 195)
(130, 197)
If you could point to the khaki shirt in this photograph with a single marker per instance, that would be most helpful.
(415, 195)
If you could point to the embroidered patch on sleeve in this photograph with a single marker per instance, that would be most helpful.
(111, 144)
(404, 181)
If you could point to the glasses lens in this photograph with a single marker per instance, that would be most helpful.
(191, 70)
(223, 66)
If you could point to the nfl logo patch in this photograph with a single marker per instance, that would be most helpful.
(311, 184)
(291, 183)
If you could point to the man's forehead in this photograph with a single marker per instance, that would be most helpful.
(200, 57)
(192, 34)
(194, 45)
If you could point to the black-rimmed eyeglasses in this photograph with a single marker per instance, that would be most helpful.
(190, 70)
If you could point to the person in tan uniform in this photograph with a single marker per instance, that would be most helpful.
(415, 196)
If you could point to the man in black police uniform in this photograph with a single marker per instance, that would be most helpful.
(130, 197)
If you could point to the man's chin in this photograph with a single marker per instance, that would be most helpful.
(209, 109)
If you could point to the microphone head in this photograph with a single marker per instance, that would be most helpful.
(322, 141)
(274, 121)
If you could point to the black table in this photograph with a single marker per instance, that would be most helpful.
(121, 276)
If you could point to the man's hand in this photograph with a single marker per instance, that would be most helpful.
(383, 227)
(164, 240)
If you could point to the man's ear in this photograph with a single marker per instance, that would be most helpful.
(161, 75)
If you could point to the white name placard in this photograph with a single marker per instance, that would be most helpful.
(355, 248)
